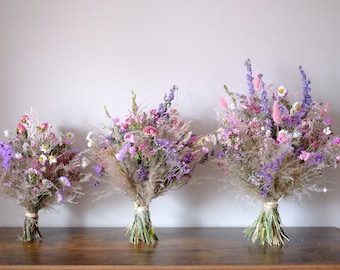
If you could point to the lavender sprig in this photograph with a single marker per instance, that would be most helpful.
(266, 110)
(163, 107)
(307, 98)
(250, 77)
(265, 173)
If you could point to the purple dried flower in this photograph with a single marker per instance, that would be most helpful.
(121, 155)
(250, 77)
(318, 158)
(307, 99)
(99, 170)
(265, 174)
(266, 110)
(163, 107)
(6, 153)
(142, 172)
(95, 183)
(164, 143)
(65, 182)
(220, 154)
(185, 169)
(59, 196)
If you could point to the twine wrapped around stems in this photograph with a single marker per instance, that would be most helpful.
(141, 229)
(31, 228)
(267, 228)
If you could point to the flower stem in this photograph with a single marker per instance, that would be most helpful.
(141, 229)
(30, 229)
(267, 227)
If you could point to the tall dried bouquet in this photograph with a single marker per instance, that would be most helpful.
(39, 169)
(277, 145)
(145, 155)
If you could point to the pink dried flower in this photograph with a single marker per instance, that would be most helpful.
(336, 141)
(151, 131)
(132, 151)
(283, 136)
(276, 113)
(223, 103)
(44, 126)
(324, 109)
(328, 121)
(257, 82)
(129, 137)
(304, 155)
(21, 128)
(24, 118)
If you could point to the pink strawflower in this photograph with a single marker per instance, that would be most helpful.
(124, 126)
(128, 121)
(151, 131)
(44, 126)
(21, 128)
(129, 137)
(24, 118)
(304, 155)
(336, 141)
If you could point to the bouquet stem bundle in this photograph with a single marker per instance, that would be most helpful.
(267, 227)
(31, 228)
(141, 229)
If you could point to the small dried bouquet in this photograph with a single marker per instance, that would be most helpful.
(145, 155)
(39, 169)
(275, 144)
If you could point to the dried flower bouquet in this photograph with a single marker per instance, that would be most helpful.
(145, 155)
(276, 145)
(39, 169)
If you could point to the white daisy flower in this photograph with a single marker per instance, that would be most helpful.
(297, 106)
(42, 159)
(327, 131)
(52, 159)
(45, 148)
(282, 91)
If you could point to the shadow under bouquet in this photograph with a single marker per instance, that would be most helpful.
(275, 144)
(145, 155)
(39, 169)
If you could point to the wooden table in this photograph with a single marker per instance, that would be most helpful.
(178, 248)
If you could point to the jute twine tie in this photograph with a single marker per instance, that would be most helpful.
(140, 209)
(31, 215)
(270, 205)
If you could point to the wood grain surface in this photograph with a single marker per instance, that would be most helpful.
(178, 248)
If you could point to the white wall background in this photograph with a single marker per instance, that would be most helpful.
(68, 58)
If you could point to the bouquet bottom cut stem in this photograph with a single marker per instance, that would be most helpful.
(267, 228)
(141, 230)
(31, 228)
